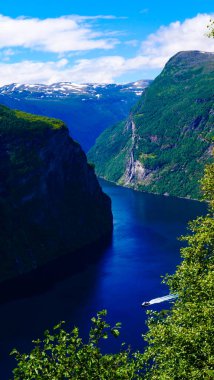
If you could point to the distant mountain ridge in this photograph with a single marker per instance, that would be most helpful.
(87, 109)
(164, 144)
(61, 89)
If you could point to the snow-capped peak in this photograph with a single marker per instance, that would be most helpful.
(66, 89)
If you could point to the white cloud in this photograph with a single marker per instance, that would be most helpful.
(133, 43)
(154, 53)
(6, 54)
(177, 36)
(57, 35)
(104, 70)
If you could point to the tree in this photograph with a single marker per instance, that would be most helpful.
(63, 355)
(211, 29)
(181, 340)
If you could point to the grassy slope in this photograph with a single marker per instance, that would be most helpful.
(18, 119)
(110, 152)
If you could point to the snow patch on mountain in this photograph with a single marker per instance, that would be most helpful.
(66, 89)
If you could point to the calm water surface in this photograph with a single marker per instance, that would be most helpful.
(144, 247)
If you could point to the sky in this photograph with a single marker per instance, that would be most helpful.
(83, 41)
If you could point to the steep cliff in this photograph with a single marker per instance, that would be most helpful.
(163, 145)
(50, 200)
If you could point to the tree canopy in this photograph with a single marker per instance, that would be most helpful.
(211, 29)
(180, 340)
(63, 355)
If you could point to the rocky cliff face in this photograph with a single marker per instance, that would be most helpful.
(166, 141)
(50, 200)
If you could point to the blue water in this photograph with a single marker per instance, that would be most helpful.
(121, 276)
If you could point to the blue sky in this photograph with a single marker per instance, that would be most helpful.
(97, 41)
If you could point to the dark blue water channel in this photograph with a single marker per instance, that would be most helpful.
(118, 278)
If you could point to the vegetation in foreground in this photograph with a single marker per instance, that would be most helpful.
(180, 340)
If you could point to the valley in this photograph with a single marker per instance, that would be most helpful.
(87, 109)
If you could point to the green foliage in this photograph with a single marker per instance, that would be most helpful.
(63, 355)
(41, 120)
(207, 185)
(17, 122)
(211, 29)
(181, 344)
(174, 121)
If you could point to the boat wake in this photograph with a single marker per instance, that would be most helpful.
(160, 299)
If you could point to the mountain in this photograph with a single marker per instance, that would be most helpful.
(50, 200)
(87, 109)
(164, 144)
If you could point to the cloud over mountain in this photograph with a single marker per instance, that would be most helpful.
(82, 34)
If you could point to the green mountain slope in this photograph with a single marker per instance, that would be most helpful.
(50, 200)
(163, 145)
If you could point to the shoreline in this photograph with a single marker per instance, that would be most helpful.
(148, 192)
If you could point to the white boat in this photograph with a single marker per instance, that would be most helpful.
(159, 300)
